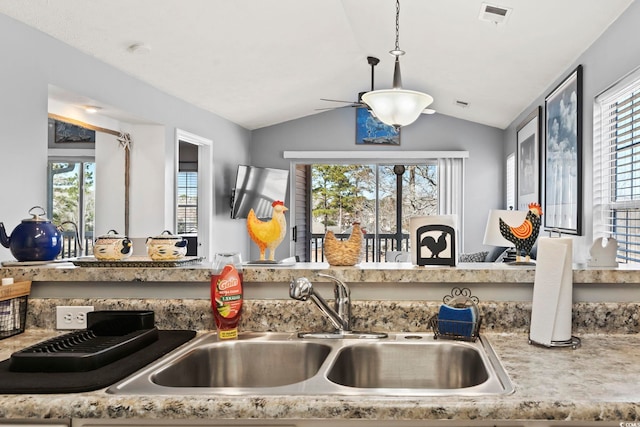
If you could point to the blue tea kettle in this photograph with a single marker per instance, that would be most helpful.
(34, 239)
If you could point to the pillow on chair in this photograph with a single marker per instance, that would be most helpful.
(473, 257)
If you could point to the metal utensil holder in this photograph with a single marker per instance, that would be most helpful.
(13, 308)
(458, 329)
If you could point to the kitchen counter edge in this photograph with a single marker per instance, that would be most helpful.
(366, 273)
(551, 384)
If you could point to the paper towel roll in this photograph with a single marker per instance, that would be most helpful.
(552, 291)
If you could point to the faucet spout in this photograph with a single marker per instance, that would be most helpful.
(340, 316)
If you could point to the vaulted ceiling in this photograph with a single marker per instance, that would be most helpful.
(262, 62)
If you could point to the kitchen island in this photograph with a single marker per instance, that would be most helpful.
(368, 281)
(390, 272)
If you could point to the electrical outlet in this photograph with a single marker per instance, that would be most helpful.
(72, 316)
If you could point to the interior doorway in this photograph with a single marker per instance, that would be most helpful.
(193, 192)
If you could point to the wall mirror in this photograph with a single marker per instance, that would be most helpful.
(85, 150)
(88, 180)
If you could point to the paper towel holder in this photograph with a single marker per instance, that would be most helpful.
(574, 343)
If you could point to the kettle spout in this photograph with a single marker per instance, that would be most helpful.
(4, 239)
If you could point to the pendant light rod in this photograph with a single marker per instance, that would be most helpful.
(397, 76)
(397, 107)
(397, 51)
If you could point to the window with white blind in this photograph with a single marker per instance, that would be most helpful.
(510, 195)
(187, 208)
(616, 166)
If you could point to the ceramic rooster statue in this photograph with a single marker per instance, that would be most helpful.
(344, 252)
(268, 234)
(524, 236)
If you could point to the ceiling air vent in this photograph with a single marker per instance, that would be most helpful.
(494, 13)
(461, 104)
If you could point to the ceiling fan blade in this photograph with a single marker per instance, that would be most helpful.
(336, 108)
(428, 111)
(337, 100)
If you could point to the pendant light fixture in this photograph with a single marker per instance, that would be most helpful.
(397, 107)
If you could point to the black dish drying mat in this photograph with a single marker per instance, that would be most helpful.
(74, 382)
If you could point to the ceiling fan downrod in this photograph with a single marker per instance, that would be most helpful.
(373, 62)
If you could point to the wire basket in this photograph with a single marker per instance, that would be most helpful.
(13, 308)
(344, 252)
(458, 329)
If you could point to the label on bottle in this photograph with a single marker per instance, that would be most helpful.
(227, 301)
(228, 334)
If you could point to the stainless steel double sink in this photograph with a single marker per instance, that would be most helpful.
(403, 364)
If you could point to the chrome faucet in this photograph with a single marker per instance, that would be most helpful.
(302, 289)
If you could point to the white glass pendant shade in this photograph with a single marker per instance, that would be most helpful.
(397, 107)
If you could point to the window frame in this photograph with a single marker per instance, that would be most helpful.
(183, 207)
(607, 206)
(81, 161)
(297, 158)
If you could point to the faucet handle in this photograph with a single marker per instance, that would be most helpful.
(300, 289)
(337, 281)
(341, 290)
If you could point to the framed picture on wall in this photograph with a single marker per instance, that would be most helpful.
(562, 209)
(528, 160)
(370, 130)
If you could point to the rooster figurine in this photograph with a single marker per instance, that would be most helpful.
(524, 236)
(435, 246)
(268, 234)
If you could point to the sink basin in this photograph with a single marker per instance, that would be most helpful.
(439, 365)
(244, 364)
(284, 364)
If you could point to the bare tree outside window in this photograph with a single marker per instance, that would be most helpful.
(368, 194)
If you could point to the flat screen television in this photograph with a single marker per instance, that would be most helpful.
(257, 188)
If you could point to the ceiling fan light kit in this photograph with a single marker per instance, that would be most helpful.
(397, 107)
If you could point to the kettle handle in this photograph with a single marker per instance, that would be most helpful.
(43, 212)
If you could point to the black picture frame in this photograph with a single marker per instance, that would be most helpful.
(370, 130)
(528, 160)
(562, 209)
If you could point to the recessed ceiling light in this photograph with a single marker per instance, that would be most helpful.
(92, 109)
(139, 49)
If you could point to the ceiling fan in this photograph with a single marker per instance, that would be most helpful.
(356, 104)
(372, 61)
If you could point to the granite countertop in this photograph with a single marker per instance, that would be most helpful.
(597, 382)
(365, 272)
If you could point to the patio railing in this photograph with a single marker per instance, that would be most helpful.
(375, 246)
(70, 248)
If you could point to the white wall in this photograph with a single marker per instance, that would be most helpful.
(110, 184)
(32, 61)
(613, 55)
(147, 192)
(335, 130)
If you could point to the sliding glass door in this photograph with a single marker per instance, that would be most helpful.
(71, 197)
(381, 197)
